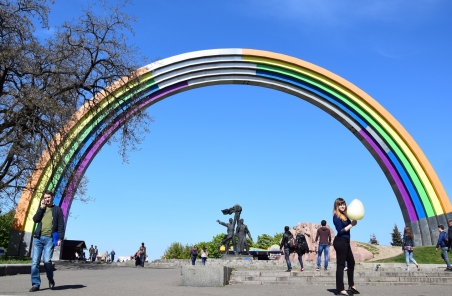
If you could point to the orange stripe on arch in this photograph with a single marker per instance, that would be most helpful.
(398, 128)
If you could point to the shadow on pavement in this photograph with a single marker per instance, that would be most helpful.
(68, 287)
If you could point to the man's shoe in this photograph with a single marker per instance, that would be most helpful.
(326, 269)
(34, 289)
(318, 268)
(51, 284)
(289, 270)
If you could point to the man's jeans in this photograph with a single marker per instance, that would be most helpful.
(445, 257)
(142, 258)
(287, 256)
(42, 246)
(193, 259)
(323, 248)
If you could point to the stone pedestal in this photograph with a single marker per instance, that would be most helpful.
(237, 257)
(205, 276)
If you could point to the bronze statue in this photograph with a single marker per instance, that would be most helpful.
(228, 237)
(242, 231)
(236, 210)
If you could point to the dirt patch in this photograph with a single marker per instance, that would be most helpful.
(385, 252)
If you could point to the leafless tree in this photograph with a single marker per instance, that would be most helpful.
(44, 81)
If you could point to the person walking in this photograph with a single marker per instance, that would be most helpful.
(137, 259)
(112, 255)
(96, 251)
(142, 254)
(193, 254)
(106, 255)
(324, 234)
(204, 255)
(48, 234)
(301, 241)
(407, 247)
(284, 246)
(91, 254)
(442, 243)
(342, 246)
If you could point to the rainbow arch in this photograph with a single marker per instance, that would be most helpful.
(421, 196)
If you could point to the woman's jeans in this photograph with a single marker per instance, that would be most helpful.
(300, 259)
(323, 248)
(343, 253)
(42, 246)
(193, 259)
(203, 260)
(408, 257)
(444, 256)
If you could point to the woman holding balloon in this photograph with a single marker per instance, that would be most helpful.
(342, 244)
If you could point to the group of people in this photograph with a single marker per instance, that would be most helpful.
(341, 243)
(50, 231)
(140, 256)
(194, 255)
(108, 256)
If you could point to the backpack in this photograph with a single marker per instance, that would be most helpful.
(292, 243)
(302, 244)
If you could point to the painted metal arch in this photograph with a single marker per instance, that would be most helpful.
(421, 196)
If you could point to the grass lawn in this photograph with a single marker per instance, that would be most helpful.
(14, 260)
(422, 255)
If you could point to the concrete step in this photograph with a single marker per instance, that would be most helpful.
(333, 283)
(332, 273)
(265, 277)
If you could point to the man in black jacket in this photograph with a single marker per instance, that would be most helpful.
(285, 243)
(48, 233)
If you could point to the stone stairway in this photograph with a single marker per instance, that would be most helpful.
(364, 275)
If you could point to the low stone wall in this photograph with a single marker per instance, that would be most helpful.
(13, 269)
(205, 276)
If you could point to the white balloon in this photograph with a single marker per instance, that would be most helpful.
(355, 210)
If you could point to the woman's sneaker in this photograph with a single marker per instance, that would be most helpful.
(318, 268)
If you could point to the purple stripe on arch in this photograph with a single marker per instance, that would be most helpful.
(89, 155)
(406, 198)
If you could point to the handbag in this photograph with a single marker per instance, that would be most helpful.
(408, 248)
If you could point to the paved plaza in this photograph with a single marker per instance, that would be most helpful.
(104, 280)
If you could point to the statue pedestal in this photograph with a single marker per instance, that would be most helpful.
(237, 257)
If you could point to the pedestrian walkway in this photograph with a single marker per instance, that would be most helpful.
(114, 281)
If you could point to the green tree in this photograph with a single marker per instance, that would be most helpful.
(373, 239)
(6, 222)
(264, 241)
(44, 81)
(396, 237)
(277, 238)
(177, 251)
(214, 246)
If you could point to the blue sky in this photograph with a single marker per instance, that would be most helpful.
(281, 158)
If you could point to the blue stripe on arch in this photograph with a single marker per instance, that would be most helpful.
(361, 121)
(86, 143)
